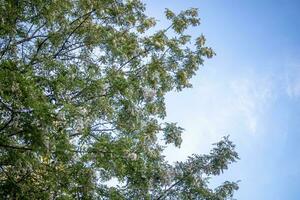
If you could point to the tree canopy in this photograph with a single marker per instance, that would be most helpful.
(82, 88)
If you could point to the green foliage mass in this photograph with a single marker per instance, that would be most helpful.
(82, 88)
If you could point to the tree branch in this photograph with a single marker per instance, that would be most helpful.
(87, 15)
(15, 147)
(7, 123)
(134, 57)
(162, 196)
(32, 35)
(146, 51)
(5, 49)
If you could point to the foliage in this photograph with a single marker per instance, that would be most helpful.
(82, 87)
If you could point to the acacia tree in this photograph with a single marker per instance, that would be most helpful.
(82, 87)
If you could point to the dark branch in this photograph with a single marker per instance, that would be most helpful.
(163, 195)
(15, 147)
(86, 16)
(7, 123)
(33, 35)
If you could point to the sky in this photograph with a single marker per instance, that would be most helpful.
(250, 90)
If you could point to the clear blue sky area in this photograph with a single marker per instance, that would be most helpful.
(250, 90)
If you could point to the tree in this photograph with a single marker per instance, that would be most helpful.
(82, 86)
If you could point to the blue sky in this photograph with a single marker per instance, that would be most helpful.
(250, 90)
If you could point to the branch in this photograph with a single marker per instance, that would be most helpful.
(7, 123)
(138, 70)
(32, 35)
(162, 196)
(16, 133)
(7, 175)
(5, 49)
(29, 38)
(38, 50)
(134, 57)
(6, 105)
(146, 51)
(15, 147)
(87, 15)
(47, 37)
(95, 130)
(72, 49)
(103, 130)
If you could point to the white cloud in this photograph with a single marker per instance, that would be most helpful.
(252, 97)
(217, 108)
(292, 79)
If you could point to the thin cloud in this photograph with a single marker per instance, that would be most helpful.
(253, 97)
(218, 108)
(292, 79)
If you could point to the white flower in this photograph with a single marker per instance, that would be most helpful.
(106, 86)
(149, 94)
(83, 111)
(132, 156)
